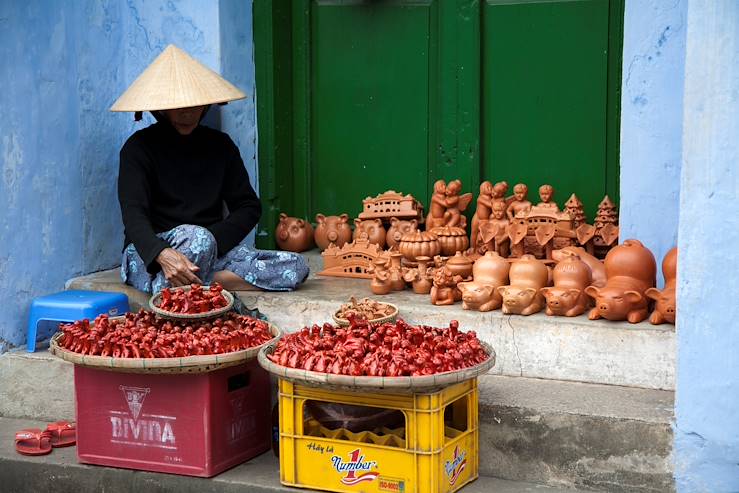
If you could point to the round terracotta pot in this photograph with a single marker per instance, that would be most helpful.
(417, 244)
(460, 265)
(452, 239)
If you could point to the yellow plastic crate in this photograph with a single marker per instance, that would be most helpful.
(435, 452)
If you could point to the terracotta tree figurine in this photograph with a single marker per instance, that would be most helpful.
(574, 207)
(494, 232)
(519, 203)
(484, 208)
(546, 194)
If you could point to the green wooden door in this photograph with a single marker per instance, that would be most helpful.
(357, 97)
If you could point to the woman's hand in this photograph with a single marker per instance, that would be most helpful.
(177, 268)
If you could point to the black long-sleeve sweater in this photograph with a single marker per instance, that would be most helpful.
(167, 179)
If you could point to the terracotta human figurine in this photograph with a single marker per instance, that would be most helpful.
(546, 194)
(438, 205)
(500, 190)
(494, 231)
(293, 234)
(447, 205)
(519, 204)
(665, 309)
(444, 291)
(484, 208)
(527, 276)
(567, 298)
(631, 271)
(332, 229)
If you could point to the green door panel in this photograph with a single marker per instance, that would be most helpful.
(545, 68)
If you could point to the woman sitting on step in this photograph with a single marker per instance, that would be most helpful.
(175, 178)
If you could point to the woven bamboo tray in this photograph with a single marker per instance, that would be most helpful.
(154, 305)
(389, 385)
(343, 322)
(187, 364)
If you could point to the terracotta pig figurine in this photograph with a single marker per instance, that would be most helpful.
(630, 270)
(665, 310)
(488, 272)
(597, 269)
(397, 229)
(293, 234)
(374, 229)
(332, 229)
(523, 297)
(567, 298)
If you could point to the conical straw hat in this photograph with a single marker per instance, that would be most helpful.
(176, 80)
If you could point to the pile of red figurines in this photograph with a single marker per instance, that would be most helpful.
(194, 300)
(143, 335)
(391, 349)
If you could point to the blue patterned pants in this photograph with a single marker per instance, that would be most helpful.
(270, 270)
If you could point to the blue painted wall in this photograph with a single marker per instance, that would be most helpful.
(64, 64)
(707, 400)
(651, 122)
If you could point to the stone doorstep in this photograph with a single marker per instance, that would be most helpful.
(60, 472)
(564, 434)
(537, 346)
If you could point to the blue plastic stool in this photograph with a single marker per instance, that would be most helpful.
(68, 306)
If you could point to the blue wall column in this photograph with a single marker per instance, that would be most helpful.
(651, 122)
(707, 400)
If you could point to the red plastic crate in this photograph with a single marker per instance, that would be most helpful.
(192, 424)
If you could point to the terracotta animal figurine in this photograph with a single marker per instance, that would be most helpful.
(527, 276)
(398, 228)
(483, 211)
(665, 310)
(519, 203)
(293, 234)
(567, 298)
(374, 229)
(447, 205)
(420, 277)
(444, 291)
(332, 229)
(631, 271)
(489, 272)
(597, 269)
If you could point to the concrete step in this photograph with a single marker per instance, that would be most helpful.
(537, 346)
(559, 433)
(60, 472)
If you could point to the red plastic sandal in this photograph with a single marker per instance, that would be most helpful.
(33, 441)
(63, 434)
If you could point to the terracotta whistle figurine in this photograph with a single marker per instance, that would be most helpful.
(567, 298)
(519, 203)
(665, 309)
(488, 273)
(420, 277)
(597, 269)
(630, 270)
(527, 276)
(447, 205)
(444, 291)
(374, 229)
(381, 277)
(398, 228)
(332, 229)
(293, 234)
(483, 211)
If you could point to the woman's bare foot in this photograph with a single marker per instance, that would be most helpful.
(232, 282)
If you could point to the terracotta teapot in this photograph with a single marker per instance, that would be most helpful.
(665, 309)
(567, 298)
(399, 228)
(460, 265)
(373, 228)
(630, 270)
(293, 234)
(527, 276)
(332, 229)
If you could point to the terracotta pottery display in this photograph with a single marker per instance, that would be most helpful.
(391, 204)
(665, 309)
(332, 229)
(397, 283)
(421, 277)
(293, 234)
(489, 272)
(380, 277)
(444, 291)
(597, 269)
(630, 271)
(527, 276)
(451, 239)
(500, 190)
(353, 259)
(419, 243)
(398, 229)
(373, 228)
(460, 265)
(483, 211)
(447, 205)
(493, 234)
(546, 194)
(519, 204)
(567, 298)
